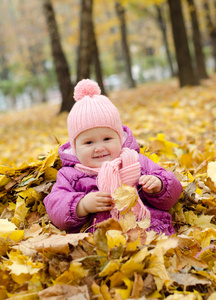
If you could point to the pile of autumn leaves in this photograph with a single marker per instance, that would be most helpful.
(121, 260)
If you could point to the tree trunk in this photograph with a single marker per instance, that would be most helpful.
(62, 69)
(85, 45)
(4, 73)
(200, 62)
(96, 61)
(96, 58)
(88, 50)
(211, 28)
(186, 73)
(121, 15)
(163, 28)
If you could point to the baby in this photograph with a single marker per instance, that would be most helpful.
(101, 155)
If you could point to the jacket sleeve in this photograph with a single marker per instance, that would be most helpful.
(171, 189)
(61, 204)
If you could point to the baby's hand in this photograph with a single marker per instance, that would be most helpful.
(150, 184)
(94, 202)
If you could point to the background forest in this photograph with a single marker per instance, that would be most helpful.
(47, 46)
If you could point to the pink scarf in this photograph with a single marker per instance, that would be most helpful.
(124, 169)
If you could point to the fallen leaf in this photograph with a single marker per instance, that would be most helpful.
(64, 291)
(110, 268)
(73, 275)
(59, 243)
(125, 198)
(9, 229)
(211, 171)
(204, 222)
(188, 279)
(115, 238)
(21, 267)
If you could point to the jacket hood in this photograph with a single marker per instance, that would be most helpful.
(69, 158)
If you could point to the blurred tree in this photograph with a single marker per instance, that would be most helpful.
(4, 67)
(35, 62)
(186, 72)
(62, 69)
(162, 25)
(200, 62)
(125, 48)
(25, 49)
(96, 61)
(88, 50)
(24, 36)
(84, 49)
(210, 26)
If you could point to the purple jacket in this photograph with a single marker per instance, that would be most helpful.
(72, 185)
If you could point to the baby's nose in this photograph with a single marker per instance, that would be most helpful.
(99, 148)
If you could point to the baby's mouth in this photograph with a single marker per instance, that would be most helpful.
(101, 156)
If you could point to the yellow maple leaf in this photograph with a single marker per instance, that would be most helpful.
(153, 156)
(4, 180)
(130, 267)
(190, 177)
(116, 279)
(157, 268)
(190, 217)
(211, 171)
(140, 255)
(205, 236)
(204, 222)
(161, 145)
(128, 221)
(105, 292)
(20, 211)
(30, 196)
(132, 246)
(21, 267)
(115, 238)
(6, 227)
(5, 244)
(125, 293)
(186, 160)
(49, 161)
(50, 174)
(110, 268)
(9, 229)
(73, 275)
(96, 290)
(125, 198)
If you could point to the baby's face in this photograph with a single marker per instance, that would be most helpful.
(96, 145)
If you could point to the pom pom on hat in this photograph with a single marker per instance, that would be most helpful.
(86, 87)
(91, 110)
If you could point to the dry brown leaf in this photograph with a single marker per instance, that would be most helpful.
(188, 279)
(59, 243)
(63, 291)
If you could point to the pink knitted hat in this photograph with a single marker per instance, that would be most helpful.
(91, 110)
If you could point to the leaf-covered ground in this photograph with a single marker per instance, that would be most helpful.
(175, 128)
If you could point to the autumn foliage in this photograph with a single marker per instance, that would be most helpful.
(120, 260)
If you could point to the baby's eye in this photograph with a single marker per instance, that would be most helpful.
(88, 142)
(107, 139)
